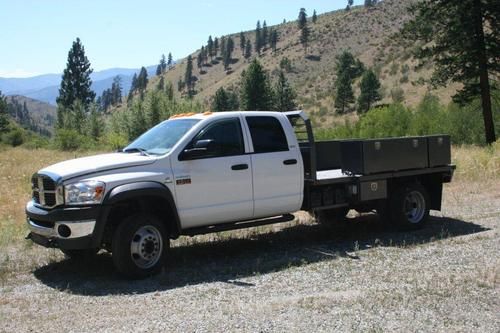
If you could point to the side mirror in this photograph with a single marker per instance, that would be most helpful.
(201, 148)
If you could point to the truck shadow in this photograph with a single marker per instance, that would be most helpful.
(230, 260)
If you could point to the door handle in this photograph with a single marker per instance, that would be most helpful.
(290, 162)
(239, 167)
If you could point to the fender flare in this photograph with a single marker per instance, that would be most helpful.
(132, 191)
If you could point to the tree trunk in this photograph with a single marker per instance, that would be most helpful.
(484, 83)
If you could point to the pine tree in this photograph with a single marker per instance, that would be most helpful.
(4, 119)
(163, 64)
(265, 34)
(369, 86)
(243, 43)
(142, 79)
(258, 38)
(188, 76)
(227, 54)
(133, 86)
(153, 109)
(76, 82)
(161, 84)
(256, 93)
(350, 3)
(223, 45)
(116, 90)
(304, 37)
(170, 60)
(94, 122)
(302, 20)
(248, 49)
(169, 91)
(216, 46)
(199, 60)
(345, 96)
(274, 40)
(465, 47)
(210, 47)
(220, 101)
(158, 70)
(284, 95)
(314, 17)
(345, 62)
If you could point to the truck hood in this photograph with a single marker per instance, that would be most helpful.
(98, 163)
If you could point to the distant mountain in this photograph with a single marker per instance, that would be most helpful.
(32, 114)
(46, 87)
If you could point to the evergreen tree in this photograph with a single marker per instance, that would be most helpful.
(274, 40)
(220, 101)
(345, 96)
(142, 79)
(227, 54)
(204, 55)
(248, 49)
(170, 60)
(465, 47)
(153, 110)
(370, 86)
(161, 84)
(350, 3)
(216, 46)
(133, 86)
(4, 119)
(345, 62)
(265, 34)
(314, 17)
(223, 45)
(256, 93)
(116, 90)
(188, 76)
(169, 90)
(163, 63)
(76, 82)
(158, 70)
(302, 20)
(258, 38)
(243, 43)
(304, 37)
(284, 95)
(210, 47)
(199, 60)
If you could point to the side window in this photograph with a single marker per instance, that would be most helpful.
(226, 137)
(267, 134)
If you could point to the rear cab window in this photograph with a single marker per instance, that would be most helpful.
(267, 134)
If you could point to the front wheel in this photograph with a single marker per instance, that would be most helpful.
(409, 206)
(140, 246)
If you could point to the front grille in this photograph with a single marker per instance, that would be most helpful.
(44, 191)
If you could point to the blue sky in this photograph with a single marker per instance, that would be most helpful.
(35, 35)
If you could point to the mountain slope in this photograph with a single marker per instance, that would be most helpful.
(32, 114)
(369, 33)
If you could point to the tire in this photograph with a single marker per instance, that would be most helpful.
(85, 254)
(330, 216)
(140, 245)
(409, 207)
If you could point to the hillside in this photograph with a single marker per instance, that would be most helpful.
(368, 33)
(32, 114)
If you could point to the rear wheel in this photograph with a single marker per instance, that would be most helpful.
(409, 207)
(140, 246)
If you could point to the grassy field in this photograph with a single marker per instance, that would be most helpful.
(291, 277)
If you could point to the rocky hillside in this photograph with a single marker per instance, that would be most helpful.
(369, 33)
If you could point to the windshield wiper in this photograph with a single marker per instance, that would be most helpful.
(136, 150)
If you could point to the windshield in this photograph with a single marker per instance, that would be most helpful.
(160, 139)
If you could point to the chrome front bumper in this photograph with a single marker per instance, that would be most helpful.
(77, 229)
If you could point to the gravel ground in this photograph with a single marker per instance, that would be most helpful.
(294, 277)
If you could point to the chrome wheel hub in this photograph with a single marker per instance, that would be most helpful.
(414, 206)
(146, 246)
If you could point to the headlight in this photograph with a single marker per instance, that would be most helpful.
(87, 192)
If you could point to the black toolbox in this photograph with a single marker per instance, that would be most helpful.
(384, 155)
(439, 150)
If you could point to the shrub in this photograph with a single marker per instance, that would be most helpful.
(14, 138)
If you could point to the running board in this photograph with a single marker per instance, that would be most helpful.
(237, 225)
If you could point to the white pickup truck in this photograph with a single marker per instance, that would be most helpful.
(202, 173)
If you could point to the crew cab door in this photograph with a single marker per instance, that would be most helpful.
(276, 167)
(213, 177)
